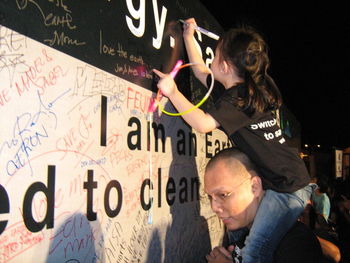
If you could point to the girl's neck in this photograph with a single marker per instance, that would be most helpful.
(231, 80)
(231, 83)
(318, 192)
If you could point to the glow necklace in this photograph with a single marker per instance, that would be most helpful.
(173, 73)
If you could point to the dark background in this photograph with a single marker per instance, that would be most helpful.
(310, 57)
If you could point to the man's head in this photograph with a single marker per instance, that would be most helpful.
(234, 188)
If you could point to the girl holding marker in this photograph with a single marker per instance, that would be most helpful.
(245, 99)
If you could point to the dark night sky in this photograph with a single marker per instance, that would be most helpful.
(310, 60)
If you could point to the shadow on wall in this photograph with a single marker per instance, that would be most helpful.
(187, 237)
(74, 241)
(154, 253)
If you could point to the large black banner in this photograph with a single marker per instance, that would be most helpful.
(123, 37)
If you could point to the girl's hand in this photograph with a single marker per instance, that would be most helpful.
(166, 84)
(189, 27)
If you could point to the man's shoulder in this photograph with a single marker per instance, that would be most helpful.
(300, 245)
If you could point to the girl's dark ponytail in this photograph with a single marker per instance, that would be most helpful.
(246, 50)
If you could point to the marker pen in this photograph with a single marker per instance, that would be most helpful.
(202, 30)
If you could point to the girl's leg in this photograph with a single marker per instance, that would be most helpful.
(277, 213)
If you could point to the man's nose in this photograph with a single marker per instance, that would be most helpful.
(216, 207)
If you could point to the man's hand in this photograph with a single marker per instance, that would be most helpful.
(220, 255)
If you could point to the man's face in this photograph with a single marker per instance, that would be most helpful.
(233, 193)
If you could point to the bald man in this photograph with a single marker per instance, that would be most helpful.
(235, 191)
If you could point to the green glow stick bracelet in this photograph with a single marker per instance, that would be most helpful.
(199, 103)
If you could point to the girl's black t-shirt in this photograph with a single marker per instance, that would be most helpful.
(260, 137)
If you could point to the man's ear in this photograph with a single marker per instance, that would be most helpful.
(256, 185)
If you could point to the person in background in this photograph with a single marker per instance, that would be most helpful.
(319, 198)
(320, 224)
(343, 225)
(246, 99)
(324, 233)
(235, 191)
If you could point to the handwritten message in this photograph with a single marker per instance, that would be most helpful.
(85, 174)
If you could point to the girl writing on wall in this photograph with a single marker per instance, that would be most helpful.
(245, 101)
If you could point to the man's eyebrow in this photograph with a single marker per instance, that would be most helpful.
(220, 189)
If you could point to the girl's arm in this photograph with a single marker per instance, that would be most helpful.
(200, 72)
(197, 119)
